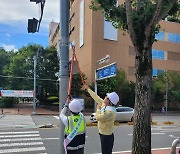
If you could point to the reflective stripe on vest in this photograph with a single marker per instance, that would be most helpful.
(75, 148)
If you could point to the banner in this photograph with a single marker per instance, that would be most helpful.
(16, 93)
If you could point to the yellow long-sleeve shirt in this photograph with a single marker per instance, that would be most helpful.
(105, 116)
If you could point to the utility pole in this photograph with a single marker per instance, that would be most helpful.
(166, 96)
(63, 62)
(34, 97)
(166, 80)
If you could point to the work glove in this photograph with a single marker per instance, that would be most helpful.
(66, 104)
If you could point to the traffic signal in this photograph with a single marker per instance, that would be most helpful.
(32, 25)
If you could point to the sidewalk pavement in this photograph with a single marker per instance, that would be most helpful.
(154, 151)
(27, 109)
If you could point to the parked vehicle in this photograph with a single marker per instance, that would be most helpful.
(123, 114)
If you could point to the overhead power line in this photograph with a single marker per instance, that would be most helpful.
(12, 33)
(18, 77)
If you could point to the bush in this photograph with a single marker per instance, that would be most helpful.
(7, 102)
(52, 99)
(89, 104)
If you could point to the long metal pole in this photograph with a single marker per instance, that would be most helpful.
(166, 96)
(95, 85)
(34, 97)
(63, 64)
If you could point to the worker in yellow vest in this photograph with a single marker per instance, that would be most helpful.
(75, 128)
(105, 116)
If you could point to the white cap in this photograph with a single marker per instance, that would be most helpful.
(75, 106)
(113, 97)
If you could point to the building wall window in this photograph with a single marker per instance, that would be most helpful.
(110, 33)
(158, 54)
(81, 23)
(173, 56)
(174, 37)
(160, 36)
(156, 72)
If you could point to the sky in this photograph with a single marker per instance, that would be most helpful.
(14, 17)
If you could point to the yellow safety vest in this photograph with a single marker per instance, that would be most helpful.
(79, 139)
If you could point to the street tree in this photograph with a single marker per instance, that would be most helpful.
(139, 18)
(47, 67)
(21, 69)
(172, 81)
(175, 88)
(4, 63)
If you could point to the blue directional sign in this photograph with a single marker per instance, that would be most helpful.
(107, 71)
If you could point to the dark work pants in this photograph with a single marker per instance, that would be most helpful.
(107, 142)
(79, 151)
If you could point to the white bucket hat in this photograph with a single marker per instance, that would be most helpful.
(113, 97)
(75, 106)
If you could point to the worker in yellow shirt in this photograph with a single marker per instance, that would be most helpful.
(105, 116)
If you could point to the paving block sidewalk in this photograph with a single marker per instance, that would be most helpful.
(27, 109)
(154, 151)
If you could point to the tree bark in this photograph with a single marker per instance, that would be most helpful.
(142, 124)
(129, 22)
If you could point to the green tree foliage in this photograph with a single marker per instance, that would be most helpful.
(46, 69)
(4, 63)
(21, 65)
(7, 102)
(175, 88)
(140, 19)
(157, 94)
(176, 97)
(171, 79)
(76, 87)
(174, 13)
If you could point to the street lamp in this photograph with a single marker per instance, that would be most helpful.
(40, 51)
(101, 61)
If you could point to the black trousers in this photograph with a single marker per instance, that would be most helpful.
(79, 151)
(107, 142)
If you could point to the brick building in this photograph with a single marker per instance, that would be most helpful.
(94, 38)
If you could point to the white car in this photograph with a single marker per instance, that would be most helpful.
(123, 114)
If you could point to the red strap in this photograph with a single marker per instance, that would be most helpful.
(70, 79)
(71, 72)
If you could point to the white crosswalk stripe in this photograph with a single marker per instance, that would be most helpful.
(29, 132)
(57, 117)
(13, 136)
(21, 142)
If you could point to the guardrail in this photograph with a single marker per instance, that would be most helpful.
(174, 145)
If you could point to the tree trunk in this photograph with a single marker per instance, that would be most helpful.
(142, 124)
